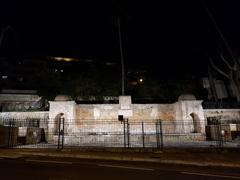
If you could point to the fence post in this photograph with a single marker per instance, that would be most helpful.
(9, 133)
(219, 140)
(59, 132)
(143, 140)
(157, 136)
(124, 133)
(63, 120)
(161, 134)
(128, 134)
(221, 136)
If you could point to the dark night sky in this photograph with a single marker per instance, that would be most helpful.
(176, 36)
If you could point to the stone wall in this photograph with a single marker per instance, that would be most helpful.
(138, 112)
(97, 112)
(42, 116)
(20, 102)
(19, 97)
(98, 120)
(24, 115)
(223, 114)
(149, 112)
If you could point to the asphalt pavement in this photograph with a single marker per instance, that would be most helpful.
(194, 157)
(56, 168)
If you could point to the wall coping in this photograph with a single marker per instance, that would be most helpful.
(67, 102)
(221, 109)
(41, 112)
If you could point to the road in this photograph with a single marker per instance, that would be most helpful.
(32, 168)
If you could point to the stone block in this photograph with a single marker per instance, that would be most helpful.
(125, 113)
(22, 131)
(34, 135)
(125, 102)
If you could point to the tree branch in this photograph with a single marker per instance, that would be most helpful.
(218, 69)
(3, 32)
(225, 61)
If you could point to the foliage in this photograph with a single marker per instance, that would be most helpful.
(49, 84)
(231, 72)
(83, 83)
(165, 91)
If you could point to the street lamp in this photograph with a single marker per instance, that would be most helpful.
(121, 52)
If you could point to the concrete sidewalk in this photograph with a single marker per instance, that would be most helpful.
(196, 157)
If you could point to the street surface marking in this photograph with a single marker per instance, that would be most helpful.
(212, 175)
(44, 161)
(125, 167)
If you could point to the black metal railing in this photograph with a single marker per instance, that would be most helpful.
(159, 134)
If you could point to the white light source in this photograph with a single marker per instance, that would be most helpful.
(141, 80)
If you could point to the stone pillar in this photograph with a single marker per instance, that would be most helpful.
(125, 103)
(66, 107)
(186, 110)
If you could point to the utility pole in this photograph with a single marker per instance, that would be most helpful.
(121, 53)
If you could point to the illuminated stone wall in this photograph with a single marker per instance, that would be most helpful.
(177, 115)
(20, 102)
(41, 116)
(96, 122)
(223, 114)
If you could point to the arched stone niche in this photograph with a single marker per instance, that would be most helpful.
(188, 111)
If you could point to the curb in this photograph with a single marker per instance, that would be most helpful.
(11, 156)
(192, 163)
(134, 159)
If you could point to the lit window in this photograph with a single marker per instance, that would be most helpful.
(61, 70)
(4, 77)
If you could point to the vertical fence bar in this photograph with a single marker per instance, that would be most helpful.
(124, 133)
(143, 134)
(62, 132)
(157, 136)
(59, 132)
(9, 133)
(161, 134)
(13, 133)
(218, 136)
(215, 126)
(128, 134)
(221, 134)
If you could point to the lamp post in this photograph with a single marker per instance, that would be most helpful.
(121, 53)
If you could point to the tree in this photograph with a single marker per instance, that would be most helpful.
(49, 84)
(3, 33)
(231, 72)
(165, 91)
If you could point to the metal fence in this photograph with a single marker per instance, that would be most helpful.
(61, 133)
